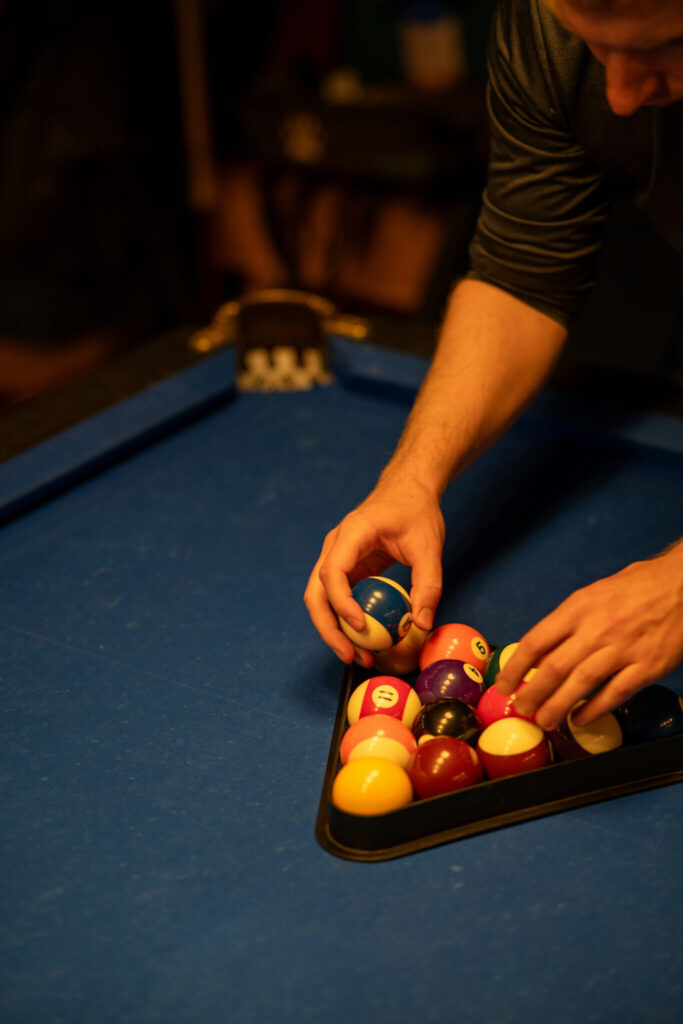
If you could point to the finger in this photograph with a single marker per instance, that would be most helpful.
(534, 646)
(337, 586)
(350, 557)
(616, 691)
(587, 674)
(325, 620)
(364, 658)
(540, 683)
(374, 564)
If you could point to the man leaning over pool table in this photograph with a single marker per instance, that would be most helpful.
(581, 92)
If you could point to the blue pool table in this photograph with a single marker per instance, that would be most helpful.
(167, 713)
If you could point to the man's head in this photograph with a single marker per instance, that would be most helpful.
(640, 44)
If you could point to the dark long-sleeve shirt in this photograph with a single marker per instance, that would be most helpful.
(558, 156)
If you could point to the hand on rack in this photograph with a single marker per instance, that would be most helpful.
(626, 629)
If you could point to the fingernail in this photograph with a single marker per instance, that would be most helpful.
(355, 624)
(545, 721)
(425, 619)
(339, 654)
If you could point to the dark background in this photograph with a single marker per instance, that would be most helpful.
(318, 157)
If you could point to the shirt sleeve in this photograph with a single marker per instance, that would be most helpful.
(543, 210)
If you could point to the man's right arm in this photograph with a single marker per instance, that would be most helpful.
(494, 353)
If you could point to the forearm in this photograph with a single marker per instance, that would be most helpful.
(493, 355)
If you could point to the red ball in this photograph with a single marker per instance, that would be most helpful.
(443, 765)
(493, 706)
(459, 642)
(513, 745)
(384, 695)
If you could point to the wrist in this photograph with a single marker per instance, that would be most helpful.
(406, 472)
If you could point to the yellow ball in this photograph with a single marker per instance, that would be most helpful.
(371, 785)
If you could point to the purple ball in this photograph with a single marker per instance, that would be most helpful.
(450, 678)
(570, 741)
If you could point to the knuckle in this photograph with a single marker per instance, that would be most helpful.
(432, 590)
(659, 665)
(583, 676)
(554, 666)
(614, 622)
(579, 596)
(530, 647)
(355, 520)
(620, 692)
(325, 573)
(330, 539)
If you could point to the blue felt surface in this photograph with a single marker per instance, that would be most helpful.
(167, 711)
(88, 446)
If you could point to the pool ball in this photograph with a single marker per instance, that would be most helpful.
(444, 765)
(494, 706)
(371, 785)
(571, 741)
(513, 745)
(458, 641)
(450, 678)
(384, 695)
(404, 657)
(378, 736)
(387, 610)
(651, 714)
(449, 716)
(499, 660)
